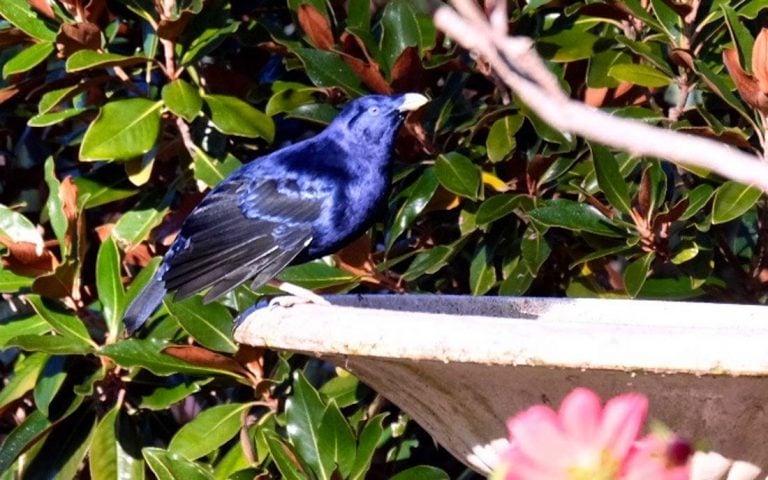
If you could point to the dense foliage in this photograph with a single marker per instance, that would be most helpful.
(116, 115)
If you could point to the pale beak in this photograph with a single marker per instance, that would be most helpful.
(411, 102)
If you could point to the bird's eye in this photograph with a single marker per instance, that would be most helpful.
(373, 110)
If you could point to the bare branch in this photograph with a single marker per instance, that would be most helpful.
(519, 66)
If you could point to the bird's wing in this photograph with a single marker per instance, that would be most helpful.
(246, 227)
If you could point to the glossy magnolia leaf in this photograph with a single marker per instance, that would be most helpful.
(61, 320)
(609, 178)
(102, 186)
(574, 216)
(697, 198)
(111, 456)
(496, 207)
(169, 466)
(33, 325)
(165, 394)
(52, 118)
(317, 275)
(639, 74)
(575, 43)
(338, 441)
(140, 280)
(28, 58)
(284, 457)
(482, 274)
(50, 381)
(232, 116)
(52, 98)
(501, 137)
(63, 451)
(429, 262)
(534, 248)
(22, 437)
(368, 441)
(731, 200)
(136, 225)
(182, 99)
(20, 14)
(211, 35)
(458, 175)
(209, 430)
(110, 286)
(636, 274)
(421, 472)
(304, 411)
(326, 69)
(741, 36)
(17, 228)
(124, 129)
(86, 59)
(211, 171)
(210, 325)
(147, 354)
(716, 84)
(672, 288)
(54, 206)
(13, 283)
(418, 196)
(289, 96)
(518, 280)
(53, 344)
(404, 25)
(25, 374)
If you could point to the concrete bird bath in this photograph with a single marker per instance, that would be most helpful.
(460, 366)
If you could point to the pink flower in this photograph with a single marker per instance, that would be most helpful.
(585, 441)
(656, 456)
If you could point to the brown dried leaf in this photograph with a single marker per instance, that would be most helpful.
(357, 255)
(62, 283)
(408, 73)
(23, 258)
(171, 29)
(43, 7)
(760, 60)
(252, 358)
(748, 87)
(8, 93)
(682, 57)
(316, 26)
(643, 199)
(369, 73)
(205, 358)
(672, 215)
(78, 36)
(96, 12)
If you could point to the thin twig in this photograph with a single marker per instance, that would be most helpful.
(518, 64)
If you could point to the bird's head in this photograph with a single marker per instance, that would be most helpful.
(374, 119)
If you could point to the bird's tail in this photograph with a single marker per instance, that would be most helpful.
(145, 302)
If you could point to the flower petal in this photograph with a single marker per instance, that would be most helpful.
(623, 417)
(580, 414)
(536, 432)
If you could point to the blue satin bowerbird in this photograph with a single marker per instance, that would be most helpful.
(296, 204)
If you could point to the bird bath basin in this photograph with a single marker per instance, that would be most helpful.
(460, 366)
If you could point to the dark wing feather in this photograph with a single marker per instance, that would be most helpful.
(246, 227)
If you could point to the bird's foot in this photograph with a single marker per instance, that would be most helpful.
(288, 301)
(299, 294)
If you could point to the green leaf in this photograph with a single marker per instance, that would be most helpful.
(109, 285)
(369, 439)
(18, 228)
(140, 280)
(25, 375)
(609, 178)
(163, 396)
(232, 116)
(668, 18)
(568, 45)
(104, 185)
(52, 118)
(316, 275)
(61, 320)
(716, 84)
(110, 456)
(419, 195)
(403, 26)
(733, 199)
(211, 171)
(50, 381)
(22, 437)
(54, 344)
(24, 326)
(20, 14)
(136, 225)
(482, 274)
(13, 283)
(212, 34)
(28, 58)
(421, 472)
(534, 248)
(210, 325)
(741, 37)
(288, 97)
(343, 389)
(636, 273)
(283, 457)
(52, 98)
(501, 137)
(337, 439)
(458, 175)
(87, 59)
(429, 262)
(518, 279)
(209, 430)
(123, 130)
(697, 198)
(169, 466)
(182, 99)
(304, 411)
(576, 216)
(496, 207)
(639, 74)
(147, 354)
(326, 69)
